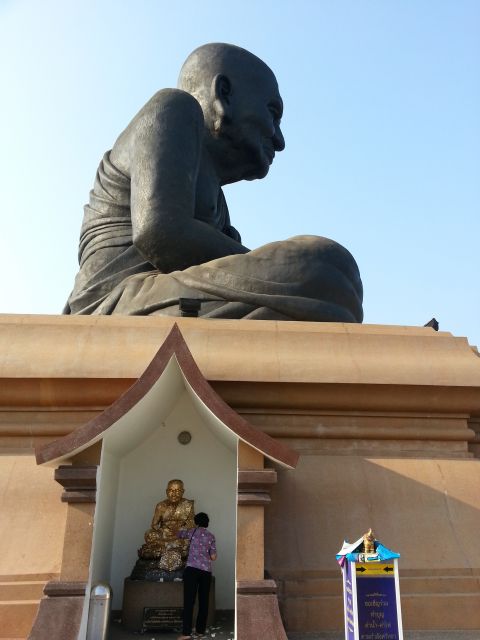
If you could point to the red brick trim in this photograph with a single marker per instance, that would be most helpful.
(256, 586)
(79, 482)
(60, 588)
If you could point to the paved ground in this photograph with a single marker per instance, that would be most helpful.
(223, 630)
(216, 633)
(407, 635)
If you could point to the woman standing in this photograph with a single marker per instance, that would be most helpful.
(197, 574)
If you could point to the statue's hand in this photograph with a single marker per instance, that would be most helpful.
(151, 535)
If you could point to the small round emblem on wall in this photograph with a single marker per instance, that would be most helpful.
(184, 437)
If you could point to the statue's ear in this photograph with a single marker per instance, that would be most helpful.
(221, 93)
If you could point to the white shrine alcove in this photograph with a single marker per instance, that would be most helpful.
(140, 454)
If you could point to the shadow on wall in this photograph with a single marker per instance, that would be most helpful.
(427, 510)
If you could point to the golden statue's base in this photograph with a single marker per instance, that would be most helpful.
(157, 605)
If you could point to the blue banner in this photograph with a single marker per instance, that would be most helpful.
(377, 605)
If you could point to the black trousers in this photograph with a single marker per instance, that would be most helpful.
(195, 580)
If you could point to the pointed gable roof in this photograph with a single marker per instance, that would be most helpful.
(175, 347)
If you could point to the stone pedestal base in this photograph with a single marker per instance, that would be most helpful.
(168, 596)
(60, 611)
(258, 615)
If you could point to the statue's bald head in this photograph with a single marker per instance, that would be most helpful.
(241, 106)
(218, 58)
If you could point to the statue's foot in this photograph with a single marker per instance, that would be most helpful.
(151, 571)
(147, 552)
(171, 560)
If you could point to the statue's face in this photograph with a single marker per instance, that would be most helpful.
(175, 492)
(254, 132)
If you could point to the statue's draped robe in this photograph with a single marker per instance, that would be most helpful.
(303, 278)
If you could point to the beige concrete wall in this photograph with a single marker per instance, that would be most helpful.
(32, 528)
(120, 347)
(250, 523)
(428, 510)
(385, 418)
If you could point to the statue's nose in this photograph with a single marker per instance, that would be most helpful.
(278, 140)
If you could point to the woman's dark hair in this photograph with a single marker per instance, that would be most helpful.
(201, 519)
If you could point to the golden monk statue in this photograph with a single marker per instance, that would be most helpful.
(161, 542)
(369, 542)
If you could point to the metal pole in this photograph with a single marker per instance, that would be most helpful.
(99, 611)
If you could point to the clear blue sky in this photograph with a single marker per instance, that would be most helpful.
(382, 128)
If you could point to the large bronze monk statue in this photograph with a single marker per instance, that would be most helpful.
(157, 228)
